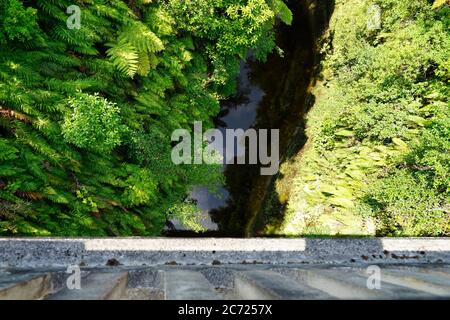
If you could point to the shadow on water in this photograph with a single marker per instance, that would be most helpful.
(271, 95)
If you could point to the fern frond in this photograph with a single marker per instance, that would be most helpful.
(141, 37)
(125, 57)
(143, 64)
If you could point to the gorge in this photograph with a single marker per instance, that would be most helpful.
(274, 94)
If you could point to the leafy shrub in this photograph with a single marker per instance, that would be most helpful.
(16, 22)
(72, 163)
(93, 123)
(379, 131)
(404, 204)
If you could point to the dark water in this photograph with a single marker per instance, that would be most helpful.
(270, 95)
(237, 113)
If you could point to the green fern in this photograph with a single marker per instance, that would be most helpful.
(125, 57)
(138, 55)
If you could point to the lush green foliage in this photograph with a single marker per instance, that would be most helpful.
(94, 123)
(86, 114)
(380, 130)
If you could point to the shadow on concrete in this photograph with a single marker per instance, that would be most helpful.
(97, 252)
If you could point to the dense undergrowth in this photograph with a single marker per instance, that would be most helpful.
(86, 115)
(378, 156)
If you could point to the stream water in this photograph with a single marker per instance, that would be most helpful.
(237, 113)
(270, 95)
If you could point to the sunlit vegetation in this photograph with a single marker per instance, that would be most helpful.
(86, 114)
(377, 161)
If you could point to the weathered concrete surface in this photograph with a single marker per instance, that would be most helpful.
(25, 286)
(243, 281)
(97, 286)
(348, 283)
(61, 252)
(435, 283)
(188, 285)
(266, 285)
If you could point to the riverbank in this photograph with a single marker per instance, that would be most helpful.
(376, 159)
(284, 82)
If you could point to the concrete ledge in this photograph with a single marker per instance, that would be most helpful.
(61, 252)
